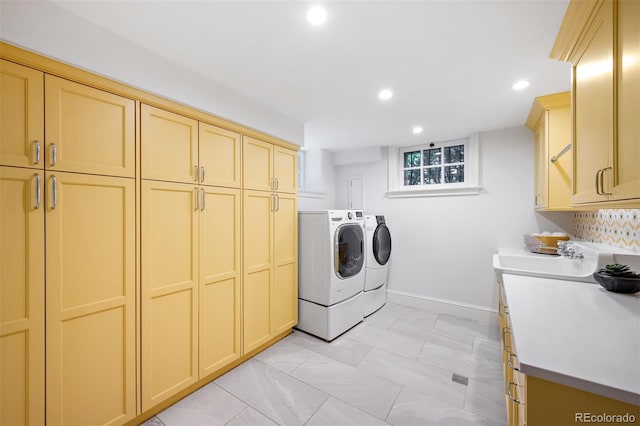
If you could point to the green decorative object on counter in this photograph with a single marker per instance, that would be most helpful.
(618, 278)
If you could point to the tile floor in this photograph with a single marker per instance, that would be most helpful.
(394, 368)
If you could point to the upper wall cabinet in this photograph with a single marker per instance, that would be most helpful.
(169, 144)
(21, 116)
(550, 120)
(219, 154)
(88, 130)
(601, 39)
(267, 167)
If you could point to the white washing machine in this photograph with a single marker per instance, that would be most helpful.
(331, 271)
(378, 253)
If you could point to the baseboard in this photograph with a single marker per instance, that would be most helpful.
(444, 306)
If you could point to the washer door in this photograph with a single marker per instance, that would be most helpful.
(349, 250)
(382, 244)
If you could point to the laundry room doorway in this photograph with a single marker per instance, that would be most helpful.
(356, 191)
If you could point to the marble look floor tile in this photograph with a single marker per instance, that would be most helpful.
(337, 412)
(407, 313)
(466, 364)
(476, 328)
(486, 400)
(433, 335)
(153, 421)
(343, 349)
(425, 378)
(285, 356)
(279, 396)
(388, 340)
(357, 387)
(209, 405)
(415, 409)
(250, 417)
(488, 349)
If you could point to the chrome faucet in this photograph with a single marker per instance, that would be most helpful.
(568, 249)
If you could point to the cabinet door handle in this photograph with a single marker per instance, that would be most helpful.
(196, 173)
(54, 154)
(277, 184)
(37, 206)
(602, 181)
(54, 192)
(509, 393)
(37, 152)
(505, 331)
(202, 174)
(197, 200)
(598, 182)
(273, 184)
(513, 367)
(204, 198)
(277, 202)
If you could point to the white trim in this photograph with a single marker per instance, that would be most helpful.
(444, 306)
(434, 192)
(312, 194)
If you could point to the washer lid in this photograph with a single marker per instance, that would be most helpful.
(382, 244)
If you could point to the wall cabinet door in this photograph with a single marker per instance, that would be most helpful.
(219, 156)
(257, 164)
(90, 299)
(593, 107)
(88, 130)
(284, 295)
(169, 305)
(21, 116)
(540, 162)
(169, 144)
(220, 277)
(258, 267)
(626, 151)
(21, 297)
(285, 169)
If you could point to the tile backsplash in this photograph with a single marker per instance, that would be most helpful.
(618, 228)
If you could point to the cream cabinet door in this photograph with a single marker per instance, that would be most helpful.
(593, 109)
(21, 297)
(559, 172)
(220, 278)
(90, 299)
(540, 157)
(258, 267)
(626, 151)
(219, 156)
(285, 169)
(284, 295)
(169, 305)
(21, 116)
(257, 164)
(169, 144)
(88, 130)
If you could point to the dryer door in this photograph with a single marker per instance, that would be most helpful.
(349, 250)
(382, 244)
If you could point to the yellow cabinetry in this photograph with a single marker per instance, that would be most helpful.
(550, 120)
(220, 152)
(90, 299)
(21, 116)
(267, 167)
(21, 296)
(270, 241)
(601, 38)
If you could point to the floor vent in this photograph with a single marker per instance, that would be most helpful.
(460, 379)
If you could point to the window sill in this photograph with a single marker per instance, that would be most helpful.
(311, 194)
(433, 192)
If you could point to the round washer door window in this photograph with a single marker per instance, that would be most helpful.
(349, 250)
(382, 244)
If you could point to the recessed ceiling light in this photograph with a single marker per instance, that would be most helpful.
(316, 16)
(520, 84)
(385, 94)
(417, 130)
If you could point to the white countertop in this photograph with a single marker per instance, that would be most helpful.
(577, 334)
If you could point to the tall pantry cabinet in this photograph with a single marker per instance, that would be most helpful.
(270, 221)
(89, 241)
(190, 251)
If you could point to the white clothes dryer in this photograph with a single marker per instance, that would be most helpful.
(378, 254)
(331, 271)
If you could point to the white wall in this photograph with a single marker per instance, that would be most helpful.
(52, 31)
(319, 190)
(442, 246)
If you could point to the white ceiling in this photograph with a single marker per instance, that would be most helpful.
(449, 63)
